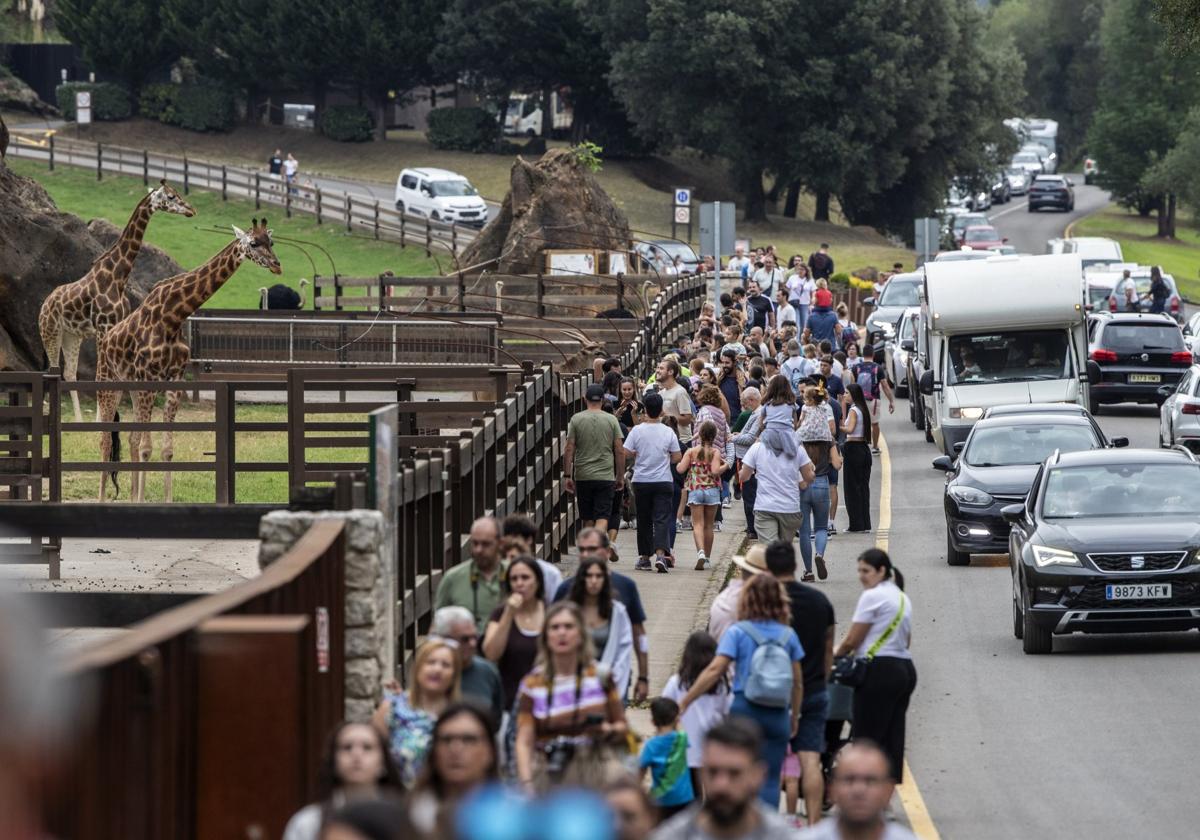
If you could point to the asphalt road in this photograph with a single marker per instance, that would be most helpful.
(1028, 232)
(1093, 741)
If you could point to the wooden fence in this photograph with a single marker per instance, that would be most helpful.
(209, 720)
(356, 212)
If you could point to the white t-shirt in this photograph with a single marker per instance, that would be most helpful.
(877, 606)
(778, 477)
(800, 289)
(784, 315)
(653, 443)
(701, 716)
(290, 166)
(677, 404)
(766, 280)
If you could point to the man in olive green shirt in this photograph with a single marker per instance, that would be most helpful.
(476, 584)
(594, 460)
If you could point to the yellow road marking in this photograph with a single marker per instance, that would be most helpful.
(910, 795)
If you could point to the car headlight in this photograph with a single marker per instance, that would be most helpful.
(970, 496)
(1044, 555)
(966, 413)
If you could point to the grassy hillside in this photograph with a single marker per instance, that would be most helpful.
(1179, 257)
(641, 188)
(192, 241)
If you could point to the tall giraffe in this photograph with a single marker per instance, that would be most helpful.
(147, 345)
(95, 302)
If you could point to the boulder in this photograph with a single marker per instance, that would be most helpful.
(41, 248)
(553, 203)
(15, 95)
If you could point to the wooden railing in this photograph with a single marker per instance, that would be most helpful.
(209, 719)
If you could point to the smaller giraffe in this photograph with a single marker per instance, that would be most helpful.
(95, 302)
(147, 346)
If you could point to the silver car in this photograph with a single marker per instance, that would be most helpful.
(1019, 181)
(1179, 416)
(899, 347)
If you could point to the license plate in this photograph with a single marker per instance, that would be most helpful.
(1144, 377)
(1134, 591)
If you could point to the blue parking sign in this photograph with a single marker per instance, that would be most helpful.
(683, 196)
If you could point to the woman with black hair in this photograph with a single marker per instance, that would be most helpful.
(881, 632)
(707, 711)
(857, 455)
(606, 620)
(463, 758)
(510, 639)
(356, 765)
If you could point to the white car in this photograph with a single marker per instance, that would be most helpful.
(898, 348)
(1191, 330)
(1179, 416)
(440, 195)
(1019, 181)
(1031, 162)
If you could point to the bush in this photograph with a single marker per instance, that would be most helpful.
(840, 280)
(110, 102)
(348, 123)
(462, 129)
(199, 107)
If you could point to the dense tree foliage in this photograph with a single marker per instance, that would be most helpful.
(1181, 19)
(123, 39)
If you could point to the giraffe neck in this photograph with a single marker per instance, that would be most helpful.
(125, 250)
(188, 292)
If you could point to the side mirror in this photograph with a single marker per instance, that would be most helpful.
(1004, 240)
(959, 447)
(1166, 390)
(1118, 442)
(926, 384)
(868, 301)
(1093, 373)
(1013, 513)
(944, 463)
(908, 345)
(1070, 183)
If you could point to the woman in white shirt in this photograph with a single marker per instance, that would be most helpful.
(653, 448)
(801, 288)
(881, 630)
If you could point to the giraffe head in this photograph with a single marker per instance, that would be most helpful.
(256, 245)
(164, 199)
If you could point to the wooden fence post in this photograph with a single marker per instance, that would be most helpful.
(223, 415)
(402, 216)
(99, 161)
(287, 201)
(51, 152)
(257, 191)
(224, 183)
(462, 293)
(376, 219)
(337, 291)
(454, 239)
(318, 189)
(186, 185)
(620, 290)
(145, 168)
(349, 213)
(428, 238)
(541, 294)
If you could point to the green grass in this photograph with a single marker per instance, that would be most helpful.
(192, 241)
(1179, 257)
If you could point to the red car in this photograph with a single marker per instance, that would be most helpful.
(981, 238)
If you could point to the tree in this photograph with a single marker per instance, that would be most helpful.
(313, 53)
(1178, 171)
(124, 39)
(1143, 91)
(1181, 20)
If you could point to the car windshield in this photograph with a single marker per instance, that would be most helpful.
(1026, 157)
(1006, 446)
(447, 189)
(1016, 173)
(1098, 294)
(982, 235)
(968, 219)
(1135, 337)
(1125, 490)
(899, 294)
(1009, 357)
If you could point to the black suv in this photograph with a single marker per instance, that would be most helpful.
(1107, 541)
(1136, 354)
(1051, 191)
(994, 469)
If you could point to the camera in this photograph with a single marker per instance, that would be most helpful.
(559, 753)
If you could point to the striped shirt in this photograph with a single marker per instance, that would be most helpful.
(564, 711)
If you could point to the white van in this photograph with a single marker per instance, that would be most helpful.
(1008, 329)
(1094, 250)
(440, 195)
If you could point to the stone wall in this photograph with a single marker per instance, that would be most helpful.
(370, 640)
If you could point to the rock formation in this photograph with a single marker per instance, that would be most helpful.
(41, 248)
(15, 95)
(553, 203)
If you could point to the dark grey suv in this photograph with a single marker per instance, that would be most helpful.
(1136, 354)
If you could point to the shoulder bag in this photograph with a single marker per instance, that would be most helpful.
(852, 670)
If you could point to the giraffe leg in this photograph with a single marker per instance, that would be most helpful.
(168, 445)
(70, 349)
(143, 403)
(106, 409)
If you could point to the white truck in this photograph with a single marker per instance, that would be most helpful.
(1008, 329)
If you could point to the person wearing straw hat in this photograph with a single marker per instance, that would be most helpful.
(723, 613)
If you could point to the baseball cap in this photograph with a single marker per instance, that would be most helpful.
(594, 393)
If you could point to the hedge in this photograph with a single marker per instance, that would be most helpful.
(199, 107)
(348, 123)
(462, 129)
(110, 102)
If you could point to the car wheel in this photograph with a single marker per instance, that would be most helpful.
(1035, 640)
(928, 433)
(901, 390)
(912, 411)
(435, 216)
(919, 419)
(1093, 406)
(954, 557)
(1032, 209)
(1018, 618)
(400, 206)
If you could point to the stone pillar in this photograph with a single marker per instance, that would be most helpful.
(369, 614)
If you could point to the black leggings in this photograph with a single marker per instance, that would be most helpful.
(857, 494)
(654, 515)
(881, 704)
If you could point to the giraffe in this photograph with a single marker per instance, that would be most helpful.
(147, 345)
(95, 302)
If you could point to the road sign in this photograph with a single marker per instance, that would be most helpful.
(83, 107)
(683, 196)
(683, 215)
(925, 237)
(717, 218)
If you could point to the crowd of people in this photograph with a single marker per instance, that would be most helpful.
(523, 682)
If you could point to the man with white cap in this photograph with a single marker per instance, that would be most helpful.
(723, 613)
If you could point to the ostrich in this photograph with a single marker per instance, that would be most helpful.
(280, 296)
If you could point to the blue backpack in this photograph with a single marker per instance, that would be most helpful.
(868, 379)
(770, 680)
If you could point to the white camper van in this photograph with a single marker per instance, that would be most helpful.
(1004, 330)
